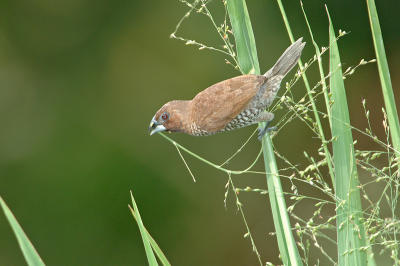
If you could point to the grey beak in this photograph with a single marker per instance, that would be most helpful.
(155, 127)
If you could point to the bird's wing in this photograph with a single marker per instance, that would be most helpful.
(217, 105)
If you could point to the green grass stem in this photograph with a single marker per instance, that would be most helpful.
(247, 54)
(321, 69)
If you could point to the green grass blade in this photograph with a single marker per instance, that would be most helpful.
(29, 251)
(160, 254)
(145, 236)
(247, 54)
(350, 228)
(384, 76)
(244, 37)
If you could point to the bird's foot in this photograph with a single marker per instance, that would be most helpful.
(261, 132)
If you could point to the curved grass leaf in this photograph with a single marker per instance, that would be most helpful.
(28, 250)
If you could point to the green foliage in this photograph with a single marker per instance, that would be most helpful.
(28, 250)
(150, 245)
(310, 95)
(351, 225)
(147, 238)
(248, 62)
(391, 110)
(244, 37)
(350, 228)
(336, 206)
(287, 245)
(384, 75)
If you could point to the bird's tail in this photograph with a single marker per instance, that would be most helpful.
(287, 60)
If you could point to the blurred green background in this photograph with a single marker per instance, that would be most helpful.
(80, 81)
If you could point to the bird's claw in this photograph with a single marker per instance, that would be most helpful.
(261, 132)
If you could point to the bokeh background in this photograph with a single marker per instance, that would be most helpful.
(79, 83)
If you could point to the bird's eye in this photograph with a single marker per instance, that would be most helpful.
(165, 116)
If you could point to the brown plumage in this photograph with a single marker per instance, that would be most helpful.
(229, 104)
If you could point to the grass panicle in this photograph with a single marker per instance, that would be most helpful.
(311, 98)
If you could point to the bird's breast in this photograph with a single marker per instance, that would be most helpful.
(196, 130)
(245, 118)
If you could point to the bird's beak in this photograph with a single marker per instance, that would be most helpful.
(155, 127)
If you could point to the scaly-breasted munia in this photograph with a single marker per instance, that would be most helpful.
(234, 103)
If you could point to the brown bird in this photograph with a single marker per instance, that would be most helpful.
(230, 104)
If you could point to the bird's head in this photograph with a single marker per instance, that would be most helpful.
(171, 117)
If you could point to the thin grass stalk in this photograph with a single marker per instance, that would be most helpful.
(349, 221)
(384, 76)
(321, 69)
(28, 250)
(310, 96)
(247, 54)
